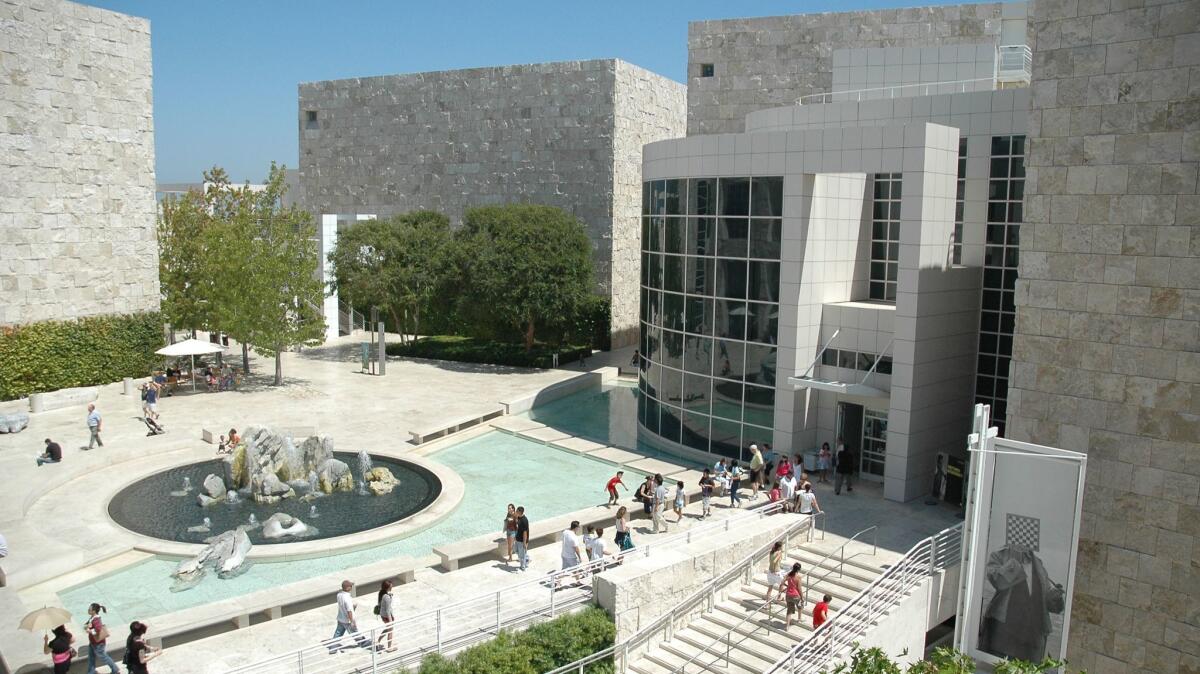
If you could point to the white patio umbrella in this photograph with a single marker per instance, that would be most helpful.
(193, 348)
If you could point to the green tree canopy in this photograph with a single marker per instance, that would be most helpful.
(396, 264)
(528, 266)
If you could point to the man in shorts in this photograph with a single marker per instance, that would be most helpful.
(706, 492)
(756, 471)
(572, 547)
(611, 487)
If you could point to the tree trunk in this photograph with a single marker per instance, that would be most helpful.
(399, 325)
(529, 336)
(416, 323)
(279, 366)
(245, 359)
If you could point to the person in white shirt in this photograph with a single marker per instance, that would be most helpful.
(572, 548)
(787, 487)
(346, 622)
(660, 504)
(596, 549)
(807, 500)
(720, 470)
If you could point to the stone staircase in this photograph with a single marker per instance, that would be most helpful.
(758, 643)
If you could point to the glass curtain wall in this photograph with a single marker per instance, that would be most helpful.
(885, 237)
(710, 310)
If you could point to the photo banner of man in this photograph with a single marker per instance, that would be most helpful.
(1022, 537)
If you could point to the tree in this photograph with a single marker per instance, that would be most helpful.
(529, 265)
(942, 661)
(395, 264)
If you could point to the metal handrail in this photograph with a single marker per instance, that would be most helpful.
(827, 96)
(521, 613)
(841, 552)
(665, 623)
(852, 622)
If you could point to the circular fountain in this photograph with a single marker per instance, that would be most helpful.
(269, 478)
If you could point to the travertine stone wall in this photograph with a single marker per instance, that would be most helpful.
(772, 61)
(77, 210)
(562, 134)
(1106, 358)
(648, 108)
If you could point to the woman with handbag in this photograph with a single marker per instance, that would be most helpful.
(137, 651)
(98, 640)
(623, 541)
(383, 609)
(59, 649)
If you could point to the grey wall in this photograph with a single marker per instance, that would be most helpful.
(772, 61)
(562, 134)
(1106, 358)
(77, 210)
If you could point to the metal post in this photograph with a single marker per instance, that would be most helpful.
(497, 613)
(382, 350)
(552, 584)
(300, 662)
(439, 630)
(933, 556)
(374, 651)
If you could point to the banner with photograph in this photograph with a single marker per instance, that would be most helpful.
(1019, 559)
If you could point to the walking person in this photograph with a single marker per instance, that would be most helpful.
(137, 652)
(150, 408)
(788, 488)
(807, 500)
(824, 461)
(611, 487)
(346, 620)
(510, 530)
(95, 424)
(792, 589)
(572, 548)
(59, 649)
(645, 494)
(97, 635)
(734, 479)
(774, 569)
(756, 472)
(821, 612)
(596, 549)
(660, 504)
(383, 607)
(522, 542)
(706, 491)
(53, 453)
(622, 539)
(843, 468)
(680, 501)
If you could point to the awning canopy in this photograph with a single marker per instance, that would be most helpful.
(190, 347)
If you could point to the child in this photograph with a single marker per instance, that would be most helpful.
(706, 490)
(611, 487)
(596, 549)
(680, 499)
(821, 611)
(775, 494)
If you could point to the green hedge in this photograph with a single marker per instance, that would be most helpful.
(540, 648)
(52, 355)
(472, 350)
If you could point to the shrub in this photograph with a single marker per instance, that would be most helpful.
(472, 350)
(52, 355)
(541, 648)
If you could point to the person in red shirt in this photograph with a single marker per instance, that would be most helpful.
(821, 611)
(611, 487)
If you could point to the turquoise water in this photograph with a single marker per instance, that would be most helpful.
(496, 468)
(608, 415)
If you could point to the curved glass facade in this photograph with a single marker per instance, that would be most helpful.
(710, 310)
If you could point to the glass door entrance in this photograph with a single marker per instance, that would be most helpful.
(874, 444)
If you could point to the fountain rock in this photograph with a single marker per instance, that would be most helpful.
(13, 423)
(381, 481)
(225, 552)
(205, 500)
(268, 452)
(335, 475)
(280, 525)
(214, 486)
(272, 489)
(315, 450)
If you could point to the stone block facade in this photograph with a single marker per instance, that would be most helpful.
(561, 134)
(772, 61)
(77, 209)
(1106, 357)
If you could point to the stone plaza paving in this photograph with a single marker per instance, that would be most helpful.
(324, 391)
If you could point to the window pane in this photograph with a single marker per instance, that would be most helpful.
(654, 275)
(650, 343)
(847, 359)
(674, 197)
(829, 357)
(696, 394)
(699, 279)
(675, 235)
(760, 364)
(762, 322)
(695, 432)
(760, 406)
(727, 399)
(651, 415)
(731, 278)
(735, 196)
(658, 197)
(697, 354)
(764, 281)
(733, 237)
(765, 238)
(646, 198)
(730, 319)
(670, 388)
(654, 235)
(767, 194)
(673, 273)
(702, 194)
(730, 359)
(669, 425)
(700, 315)
(726, 437)
(885, 365)
(701, 236)
(865, 361)
(672, 311)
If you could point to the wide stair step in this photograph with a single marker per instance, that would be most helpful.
(674, 655)
(747, 653)
(859, 566)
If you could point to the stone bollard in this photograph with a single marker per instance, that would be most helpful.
(36, 403)
(127, 383)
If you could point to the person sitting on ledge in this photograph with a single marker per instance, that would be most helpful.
(53, 453)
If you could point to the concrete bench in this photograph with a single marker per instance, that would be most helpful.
(67, 397)
(442, 429)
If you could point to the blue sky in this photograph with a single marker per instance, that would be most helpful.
(225, 72)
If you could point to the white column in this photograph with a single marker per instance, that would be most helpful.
(329, 224)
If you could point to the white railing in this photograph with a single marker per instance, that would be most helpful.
(665, 625)
(1014, 63)
(900, 91)
(479, 618)
(851, 623)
